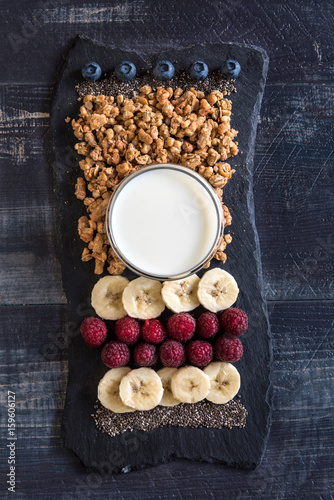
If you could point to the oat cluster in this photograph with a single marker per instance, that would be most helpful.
(120, 135)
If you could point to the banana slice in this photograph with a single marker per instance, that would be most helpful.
(141, 389)
(166, 375)
(142, 299)
(108, 390)
(181, 295)
(190, 384)
(217, 290)
(224, 382)
(107, 297)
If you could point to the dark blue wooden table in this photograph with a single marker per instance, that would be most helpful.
(293, 184)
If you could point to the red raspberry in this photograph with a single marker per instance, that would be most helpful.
(145, 354)
(228, 349)
(153, 331)
(127, 330)
(172, 353)
(94, 331)
(234, 321)
(115, 354)
(199, 352)
(181, 327)
(207, 325)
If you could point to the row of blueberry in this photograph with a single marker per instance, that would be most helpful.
(164, 70)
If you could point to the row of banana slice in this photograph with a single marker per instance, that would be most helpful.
(123, 390)
(115, 296)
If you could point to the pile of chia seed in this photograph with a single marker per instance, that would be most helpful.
(202, 414)
(112, 86)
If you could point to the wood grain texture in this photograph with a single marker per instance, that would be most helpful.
(294, 191)
(29, 269)
(295, 34)
(299, 458)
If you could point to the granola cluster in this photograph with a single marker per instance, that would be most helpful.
(120, 135)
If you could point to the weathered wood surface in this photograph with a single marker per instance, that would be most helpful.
(294, 201)
(294, 191)
(296, 34)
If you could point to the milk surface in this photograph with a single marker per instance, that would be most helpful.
(164, 222)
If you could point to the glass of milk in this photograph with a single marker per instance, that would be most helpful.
(164, 221)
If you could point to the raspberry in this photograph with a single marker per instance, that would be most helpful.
(153, 331)
(127, 330)
(115, 354)
(207, 325)
(228, 349)
(181, 327)
(94, 331)
(172, 353)
(234, 321)
(145, 354)
(199, 352)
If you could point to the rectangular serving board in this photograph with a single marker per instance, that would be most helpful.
(136, 450)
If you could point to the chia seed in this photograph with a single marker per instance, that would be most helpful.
(112, 86)
(198, 415)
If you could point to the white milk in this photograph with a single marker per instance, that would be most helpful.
(164, 222)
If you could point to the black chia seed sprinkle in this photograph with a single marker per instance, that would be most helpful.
(112, 86)
(202, 414)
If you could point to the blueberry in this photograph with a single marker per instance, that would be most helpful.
(231, 68)
(91, 71)
(198, 70)
(164, 70)
(125, 71)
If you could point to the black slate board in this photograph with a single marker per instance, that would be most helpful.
(241, 448)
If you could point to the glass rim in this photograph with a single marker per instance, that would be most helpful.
(216, 202)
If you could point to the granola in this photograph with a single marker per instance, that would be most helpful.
(119, 135)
